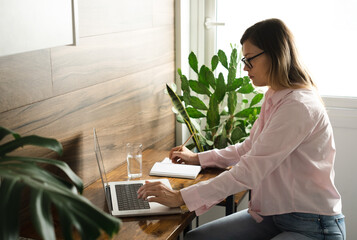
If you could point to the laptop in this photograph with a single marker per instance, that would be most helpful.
(121, 197)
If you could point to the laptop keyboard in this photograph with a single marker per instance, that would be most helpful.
(128, 198)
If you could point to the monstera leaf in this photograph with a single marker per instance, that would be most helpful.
(46, 190)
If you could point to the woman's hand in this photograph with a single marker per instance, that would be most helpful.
(184, 155)
(159, 192)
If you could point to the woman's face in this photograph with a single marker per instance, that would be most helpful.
(258, 73)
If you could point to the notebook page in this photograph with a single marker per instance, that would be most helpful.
(168, 169)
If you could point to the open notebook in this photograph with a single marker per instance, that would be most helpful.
(122, 198)
(168, 169)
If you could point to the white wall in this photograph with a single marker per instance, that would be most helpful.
(343, 117)
(346, 170)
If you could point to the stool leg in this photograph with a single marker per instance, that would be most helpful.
(187, 229)
(230, 205)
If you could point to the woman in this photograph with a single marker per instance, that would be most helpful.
(287, 161)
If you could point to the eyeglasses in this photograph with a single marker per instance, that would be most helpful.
(246, 61)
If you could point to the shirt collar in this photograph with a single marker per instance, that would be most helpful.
(273, 97)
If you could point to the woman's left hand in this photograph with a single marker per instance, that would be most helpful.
(159, 192)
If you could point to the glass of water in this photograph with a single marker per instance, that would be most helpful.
(134, 159)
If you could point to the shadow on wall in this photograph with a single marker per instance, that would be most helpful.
(72, 150)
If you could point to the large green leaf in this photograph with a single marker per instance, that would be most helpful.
(67, 222)
(213, 117)
(78, 217)
(176, 101)
(87, 217)
(31, 172)
(62, 197)
(237, 82)
(10, 192)
(34, 140)
(214, 62)
(223, 58)
(184, 83)
(202, 76)
(59, 164)
(233, 62)
(199, 87)
(192, 60)
(222, 140)
(232, 102)
(197, 103)
(237, 134)
(46, 190)
(247, 88)
(197, 126)
(220, 91)
(186, 98)
(194, 113)
(41, 214)
(210, 78)
(246, 80)
(203, 140)
(245, 113)
(232, 72)
(4, 132)
(182, 111)
(256, 99)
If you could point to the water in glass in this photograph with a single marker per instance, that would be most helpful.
(134, 165)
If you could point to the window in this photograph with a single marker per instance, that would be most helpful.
(325, 32)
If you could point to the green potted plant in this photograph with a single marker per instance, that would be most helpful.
(47, 191)
(214, 108)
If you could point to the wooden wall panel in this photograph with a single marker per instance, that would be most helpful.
(106, 57)
(111, 16)
(24, 78)
(132, 108)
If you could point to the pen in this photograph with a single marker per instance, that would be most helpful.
(182, 145)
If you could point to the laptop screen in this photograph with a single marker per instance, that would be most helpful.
(103, 176)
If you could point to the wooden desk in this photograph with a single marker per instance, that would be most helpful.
(153, 227)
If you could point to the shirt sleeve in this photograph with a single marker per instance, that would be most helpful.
(287, 128)
(229, 156)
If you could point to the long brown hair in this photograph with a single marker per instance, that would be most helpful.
(277, 41)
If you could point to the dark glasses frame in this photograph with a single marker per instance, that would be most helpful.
(246, 61)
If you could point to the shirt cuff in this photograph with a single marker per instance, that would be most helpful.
(206, 159)
(191, 197)
(193, 200)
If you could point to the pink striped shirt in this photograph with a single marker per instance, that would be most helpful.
(288, 161)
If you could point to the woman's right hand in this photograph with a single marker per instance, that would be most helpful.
(184, 155)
